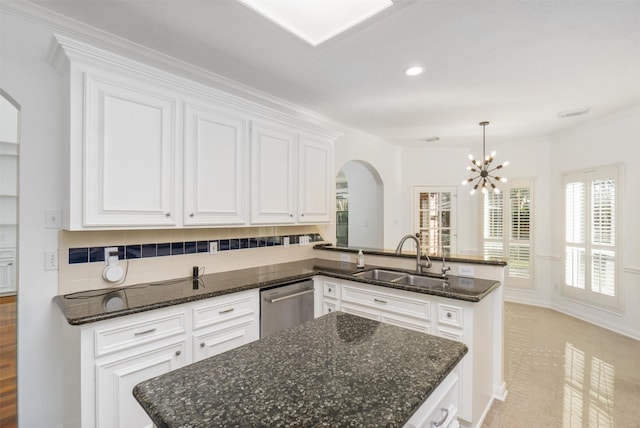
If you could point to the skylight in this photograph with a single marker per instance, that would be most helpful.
(316, 21)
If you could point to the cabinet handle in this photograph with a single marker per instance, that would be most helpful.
(448, 314)
(445, 415)
(380, 301)
(329, 290)
(290, 215)
(191, 215)
(202, 344)
(226, 311)
(178, 352)
(302, 215)
(140, 333)
(329, 310)
(167, 215)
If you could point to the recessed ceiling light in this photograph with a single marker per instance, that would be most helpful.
(414, 71)
(574, 112)
(316, 21)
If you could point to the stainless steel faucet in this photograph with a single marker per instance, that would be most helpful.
(445, 268)
(420, 265)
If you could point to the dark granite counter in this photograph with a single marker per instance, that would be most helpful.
(336, 370)
(478, 260)
(96, 305)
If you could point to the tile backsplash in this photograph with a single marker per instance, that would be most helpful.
(153, 255)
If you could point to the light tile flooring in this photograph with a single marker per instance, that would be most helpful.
(563, 372)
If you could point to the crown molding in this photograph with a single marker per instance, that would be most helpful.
(74, 40)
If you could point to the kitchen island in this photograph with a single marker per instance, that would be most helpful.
(337, 370)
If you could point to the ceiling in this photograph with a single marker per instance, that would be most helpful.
(515, 63)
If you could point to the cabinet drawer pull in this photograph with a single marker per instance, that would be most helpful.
(202, 344)
(140, 333)
(380, 301)
(445, 415)
(167, 215)
(191, 215)
(330, 290)
(448, 314)
(226, 311)
(178, 352)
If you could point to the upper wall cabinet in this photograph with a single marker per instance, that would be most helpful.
(315, 180)
(273, 174)
(129, 152)
(151, 149)
(215, 167)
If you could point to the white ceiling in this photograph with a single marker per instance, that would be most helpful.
(515, 63)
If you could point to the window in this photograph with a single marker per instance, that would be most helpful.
(434, 210)
(507, 230)
(591, 200)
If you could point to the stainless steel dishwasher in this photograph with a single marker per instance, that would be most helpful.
(285, 306)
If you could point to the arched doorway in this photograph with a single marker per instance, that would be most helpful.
(359, 206)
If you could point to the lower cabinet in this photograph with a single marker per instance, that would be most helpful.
(441, 407)
(457, 320)
(115, 379)
(108, 358)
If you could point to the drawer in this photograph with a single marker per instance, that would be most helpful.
(395, 302)
(127, 335)
(329, 307)
(210, 343)
(450, 315)
(452, 334)
(226, 309)
(331, 289)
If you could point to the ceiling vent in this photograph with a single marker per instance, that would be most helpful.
(574, 112)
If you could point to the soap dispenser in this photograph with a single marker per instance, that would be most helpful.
(360, 260)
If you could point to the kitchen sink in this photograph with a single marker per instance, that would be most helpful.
(421, 281)
(403, 278)
(381, 275)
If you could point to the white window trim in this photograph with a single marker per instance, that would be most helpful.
(513, 282)
(586, 296)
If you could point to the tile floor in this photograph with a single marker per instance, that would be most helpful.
(563, 372)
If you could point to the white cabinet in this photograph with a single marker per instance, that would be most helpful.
(327, 295)
(440, 409)
(129, 154)
(215, 166)
(273, 174)
(115, 379)
(106, 359)
(457, 320)
(315, 180)
(7, 270)
(150, 149)
(225, 323)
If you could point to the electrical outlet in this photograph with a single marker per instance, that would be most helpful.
(213, 247)
(110, 255)
(304, 240)
(464, 270)
(285, 242)
(50, 260)
(345, 258)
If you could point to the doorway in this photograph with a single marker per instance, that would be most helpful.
(359, 206)
(9, 138)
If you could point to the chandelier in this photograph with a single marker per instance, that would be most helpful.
(484, 179)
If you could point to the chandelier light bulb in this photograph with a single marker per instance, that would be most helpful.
(484, 177)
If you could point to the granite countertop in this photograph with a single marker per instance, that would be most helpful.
(96, 305)
(336, 370)
(406, 253)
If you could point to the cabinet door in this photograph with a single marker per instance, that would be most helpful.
(7, 271)
(315, 180)
(129, 143)
(115, 379)
(273, 161)
(215, 167)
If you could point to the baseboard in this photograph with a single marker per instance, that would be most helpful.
(628, 332)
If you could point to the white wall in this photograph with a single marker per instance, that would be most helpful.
(27, 77)
(610, 141)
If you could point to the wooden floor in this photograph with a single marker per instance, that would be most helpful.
(8, 409)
